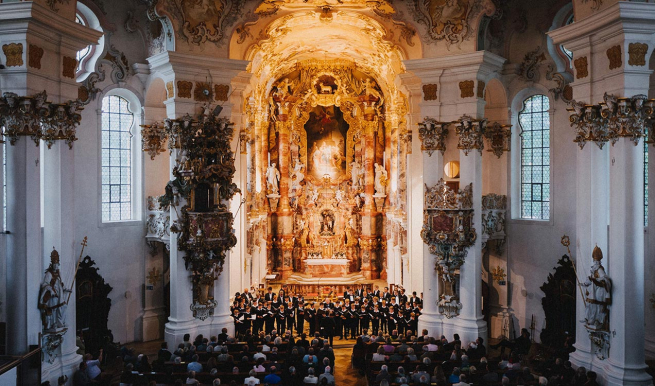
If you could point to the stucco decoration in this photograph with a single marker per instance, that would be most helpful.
(595, 4)
(451, 21)
(34, 57)
(466, 88)
(430, 92)
(581, 67)
(14, 54)
(529, 69)
(204, 21)
(69, 66)
(53, 4)
(614, 56)
(184, 89)
(637, 54)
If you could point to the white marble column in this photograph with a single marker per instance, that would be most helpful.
(181, 320)
(431, 320)
(59, 233)
(24, 246)
(222, 316)
(625, 266)
(470, 324)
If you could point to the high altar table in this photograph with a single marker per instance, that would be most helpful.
(327, 267)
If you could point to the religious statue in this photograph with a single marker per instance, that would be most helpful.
(327, 223)
(380, 179)
(598, 295)
(339, 196)
(272, 179)
(351, 239)
(52, 302)
(356, 171)
(297, 176)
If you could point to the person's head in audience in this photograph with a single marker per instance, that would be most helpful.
(213, 372)
(456, 371)
(310, 372)
(186, 337)
(462, 378)
(326, 361)
(483, 360)
(235, 370)
(178, 360)
(591, 376)
(427, 361)
(328, 370)
(473, 370)
(292, 370)
(505, 381)
(401, 371)
(216, 382)
(384, 368)
(543, 381)
(384, 382)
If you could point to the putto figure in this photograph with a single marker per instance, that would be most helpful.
(598, 295)
(52, 298)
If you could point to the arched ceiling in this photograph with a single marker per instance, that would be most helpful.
(325, 35)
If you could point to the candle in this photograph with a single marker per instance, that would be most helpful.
(384, 159)
(269, 158)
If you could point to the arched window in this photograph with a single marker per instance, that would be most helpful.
(117, 160)
(534, 122)
(88, 56)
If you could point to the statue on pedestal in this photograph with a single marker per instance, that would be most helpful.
(52, 297)
(272, 179)
(356, 172)
(598, 295)
(380, 179)
(297, 176)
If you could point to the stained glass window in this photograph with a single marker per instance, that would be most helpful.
(116, 159)
(534, 121)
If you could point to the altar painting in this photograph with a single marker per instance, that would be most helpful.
(326, 140)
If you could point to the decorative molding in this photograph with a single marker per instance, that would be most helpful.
(498, 137)
(481, 89)
(637, 54)
(170, 90)
(53, 4)
(200, 22)
(595, 4)
(466, 89)
(430, 92)
(442, 197)
(614, 55)
(221, 92)
(529, 69)
(563, 89)
(69, 66)
(14, 54)
(470, 132)
(184, 89)
(433, 135)
(450, 21)
(581, 67)
(202, 92)
(120, 68)
(88, 90)
(35, 55)
(153, 139)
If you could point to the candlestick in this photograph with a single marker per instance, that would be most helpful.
(269, 158)
(384, 159)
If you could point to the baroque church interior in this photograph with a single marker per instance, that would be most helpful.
(481, 165)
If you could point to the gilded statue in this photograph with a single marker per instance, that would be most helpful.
(598, 294)
(51, 297)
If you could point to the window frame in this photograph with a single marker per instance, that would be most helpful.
(134, 106)
(87, 65)
(515, 199)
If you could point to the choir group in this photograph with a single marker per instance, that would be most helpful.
(380, 311)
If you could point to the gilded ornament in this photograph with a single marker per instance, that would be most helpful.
(470, 132)
(581, 67)
(69, 66)
(14, 54)
(221, 92)
(170, 92)
(153, 139)
(562, 90)
(498, 274)
(498, 137)
(466, 88)
(154, 276)
(433, 135)
(430, 92)
(184, 89)
(35, 55)
(637, 54)
(202, 92)
(615, 57)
